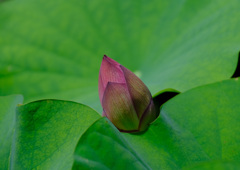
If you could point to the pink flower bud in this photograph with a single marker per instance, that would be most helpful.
(125, 99)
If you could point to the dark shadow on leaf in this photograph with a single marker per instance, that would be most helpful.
(163, 96)
(237, 71)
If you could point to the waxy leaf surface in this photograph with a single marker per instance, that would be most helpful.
(53, 49)
(103, 147)
(197, 128)
(47, 133)
(8, 106)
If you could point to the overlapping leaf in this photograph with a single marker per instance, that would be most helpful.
(103, 147)
(198, 128)
(47, 132)
(8, 105)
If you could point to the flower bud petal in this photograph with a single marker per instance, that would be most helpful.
(139, 92)
(118, 107)
(148, 116)
(110, 71)
(125, 99)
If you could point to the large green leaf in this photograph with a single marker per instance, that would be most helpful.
(215, 165)
(194, 128)
(47, 132)
(8, 105)
(198, 125)
(53, 49)
(93, 151)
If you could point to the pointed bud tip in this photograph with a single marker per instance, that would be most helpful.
(124, 97)
(109, 60)
(105, 57)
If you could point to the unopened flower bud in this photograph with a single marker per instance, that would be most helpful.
(125, 99)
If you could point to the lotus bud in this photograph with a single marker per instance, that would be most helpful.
(125, 99)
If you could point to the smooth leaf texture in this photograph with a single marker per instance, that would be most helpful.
(194, 127)
(53, 49)
(93, 151)
(8, 105)
(215, 165)
(47, 133)
(198, 125)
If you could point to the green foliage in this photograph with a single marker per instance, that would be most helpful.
(218, 165)
(47, 132)
(198, 125)
(103, 147)
(194, 128)
(53, 49)
(7, 124)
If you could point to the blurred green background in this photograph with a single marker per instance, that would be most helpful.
(53, 49)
